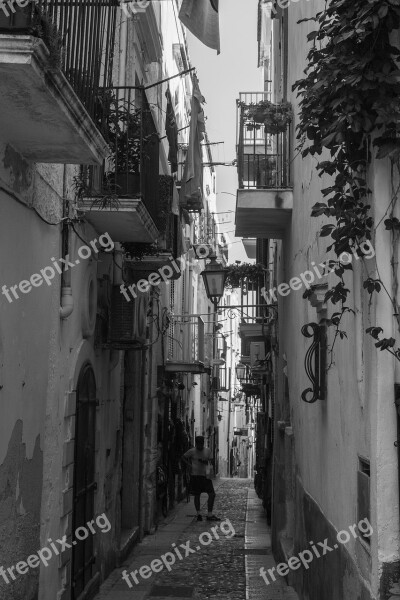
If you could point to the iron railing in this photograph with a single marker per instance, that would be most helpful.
(132, 169)
(80, 37)
(263, 158)
(188, 340)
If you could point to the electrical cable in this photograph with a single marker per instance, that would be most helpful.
(82, 240)
(15, 197)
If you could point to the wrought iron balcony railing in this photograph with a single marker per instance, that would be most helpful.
(80, 37)
(132, 169)
(187, 347)
(262, 142)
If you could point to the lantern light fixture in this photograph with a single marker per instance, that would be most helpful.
(241, 371)
(214, 277)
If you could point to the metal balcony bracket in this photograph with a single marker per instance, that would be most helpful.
(315, 362)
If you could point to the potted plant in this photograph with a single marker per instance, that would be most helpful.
(277, 117)
(123, 134)
(138, 250)
(274, 117)
(84, 189)
(244, 272)
(37, 21)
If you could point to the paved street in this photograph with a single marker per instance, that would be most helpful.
(225, 568)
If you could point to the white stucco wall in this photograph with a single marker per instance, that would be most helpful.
(358, 417)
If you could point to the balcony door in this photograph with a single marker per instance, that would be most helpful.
(85, 485)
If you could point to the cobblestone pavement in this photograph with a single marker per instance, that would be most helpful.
(225, 569)
(216, 571)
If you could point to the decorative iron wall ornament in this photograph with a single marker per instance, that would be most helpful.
(233, 311)
(315, 362)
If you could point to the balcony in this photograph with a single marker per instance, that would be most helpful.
(134, 270)
(186, 345)
(222, 383)
(250, 247)
(258, 317)
(123, 196)
(265, 197)
(54, 57)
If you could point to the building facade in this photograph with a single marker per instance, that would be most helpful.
(96, 410)
(334, 416)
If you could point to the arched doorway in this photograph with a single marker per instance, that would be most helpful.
(84, 479)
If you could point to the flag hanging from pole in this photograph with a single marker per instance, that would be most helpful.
(202, 19)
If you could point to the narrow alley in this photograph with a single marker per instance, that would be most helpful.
(227, 568)
(199, 299)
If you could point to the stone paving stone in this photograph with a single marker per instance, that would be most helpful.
(258, 537)
(218, 571)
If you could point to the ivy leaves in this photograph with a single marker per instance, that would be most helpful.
(384, 343)
(350, 90)
(392, 224)
(372, 285)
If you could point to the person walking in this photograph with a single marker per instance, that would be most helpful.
(199, 459)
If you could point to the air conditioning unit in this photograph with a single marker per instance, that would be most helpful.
(257, 352)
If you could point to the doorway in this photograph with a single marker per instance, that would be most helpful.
(83, 557)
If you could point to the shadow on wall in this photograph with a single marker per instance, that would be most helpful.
(20, 503)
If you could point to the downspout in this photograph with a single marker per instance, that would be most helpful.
(123, 49)
(228, 436)
(67, 300)
(144, 394)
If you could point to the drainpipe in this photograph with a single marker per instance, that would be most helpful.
(67, 301)
(143, 404)
(123, 49)
(228, 436)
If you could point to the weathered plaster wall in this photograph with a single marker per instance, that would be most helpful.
(334, 576)
(25, 350)
(75, 341)
(358, 417)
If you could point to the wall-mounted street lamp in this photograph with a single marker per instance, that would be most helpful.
(214, 277)
(241, 371)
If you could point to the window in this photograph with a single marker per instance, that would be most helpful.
(363, 493)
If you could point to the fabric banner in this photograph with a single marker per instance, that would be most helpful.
(192, 181)
(201, 17)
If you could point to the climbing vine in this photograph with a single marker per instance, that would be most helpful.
(350, 107)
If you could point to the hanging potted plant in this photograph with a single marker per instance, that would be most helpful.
(277, 117)
(245, 272)
(274, 117)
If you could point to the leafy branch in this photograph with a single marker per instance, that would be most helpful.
(349, 108)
